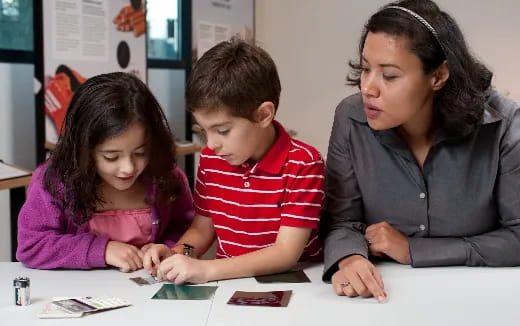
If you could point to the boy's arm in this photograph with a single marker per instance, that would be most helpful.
(299, 216)
(279, 257)
(200, 236)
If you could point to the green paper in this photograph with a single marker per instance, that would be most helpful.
(184, 292)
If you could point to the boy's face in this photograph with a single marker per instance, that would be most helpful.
(234, 139)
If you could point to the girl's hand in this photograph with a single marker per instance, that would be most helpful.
(147, 246)
(126, 257)
(358, 276)
(183, 269)
(153, 257)
(384, 239)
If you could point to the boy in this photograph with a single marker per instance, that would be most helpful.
(258, 192)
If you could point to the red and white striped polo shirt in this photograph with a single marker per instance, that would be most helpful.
(249, 203)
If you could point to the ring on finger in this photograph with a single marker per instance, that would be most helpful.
(345, 284)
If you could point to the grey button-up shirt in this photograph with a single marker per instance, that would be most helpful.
(461, 208)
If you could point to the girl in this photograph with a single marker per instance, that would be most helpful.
(111, 188)
(423, 165)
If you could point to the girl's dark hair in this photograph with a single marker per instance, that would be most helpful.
(459, 105)
(104, 107)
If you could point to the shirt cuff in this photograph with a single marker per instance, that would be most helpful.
(329, 271)
(428, 252)
(96, 252)
(336, 252)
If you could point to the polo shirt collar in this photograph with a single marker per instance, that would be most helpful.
(276, 157)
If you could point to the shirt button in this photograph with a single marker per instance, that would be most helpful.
(246, 184)
(422, 227)
(422, 195)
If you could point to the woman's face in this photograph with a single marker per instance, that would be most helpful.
(396, 92)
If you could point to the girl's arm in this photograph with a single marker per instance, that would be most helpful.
(47, 239)
(179, 215)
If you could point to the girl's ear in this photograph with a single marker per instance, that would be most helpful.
(440, 76)
(264, 114)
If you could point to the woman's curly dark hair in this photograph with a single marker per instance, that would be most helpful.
(104, 107)
(459, 105)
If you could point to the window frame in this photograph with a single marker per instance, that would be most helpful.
(184, 42)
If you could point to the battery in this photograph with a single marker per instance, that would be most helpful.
(22, 295)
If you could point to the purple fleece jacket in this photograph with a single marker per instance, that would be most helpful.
(48, 239)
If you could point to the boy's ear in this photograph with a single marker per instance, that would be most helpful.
(440, 76)
(264, 114)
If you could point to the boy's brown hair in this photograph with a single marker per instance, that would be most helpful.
(234, 75)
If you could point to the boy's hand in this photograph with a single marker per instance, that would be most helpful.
(126, 257)
(183, 269)
(153, 257)
(178, 249)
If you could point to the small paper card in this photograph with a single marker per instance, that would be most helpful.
(50, 310)
(268, 299)
(185, 292)
(144, 280)
(287, 277)
(74, 307)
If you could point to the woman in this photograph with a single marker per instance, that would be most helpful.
(423, 165)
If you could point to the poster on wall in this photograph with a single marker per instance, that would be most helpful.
(84, 38)
(218, 20)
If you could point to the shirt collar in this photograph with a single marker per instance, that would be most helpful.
(358, 111)
(276, 157)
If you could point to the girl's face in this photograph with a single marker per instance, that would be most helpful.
(395, 90)
(121, 159)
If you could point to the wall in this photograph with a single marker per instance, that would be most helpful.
(311, 43)
(168, 87)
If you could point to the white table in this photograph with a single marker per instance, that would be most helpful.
(432, 296)
(427, 296)
(46, 284)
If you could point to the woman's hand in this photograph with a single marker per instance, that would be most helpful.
(126, 257)
(183, 269)
(153, 257)
(384, 239)
(357, 276)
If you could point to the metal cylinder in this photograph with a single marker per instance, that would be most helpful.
(22, 295)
